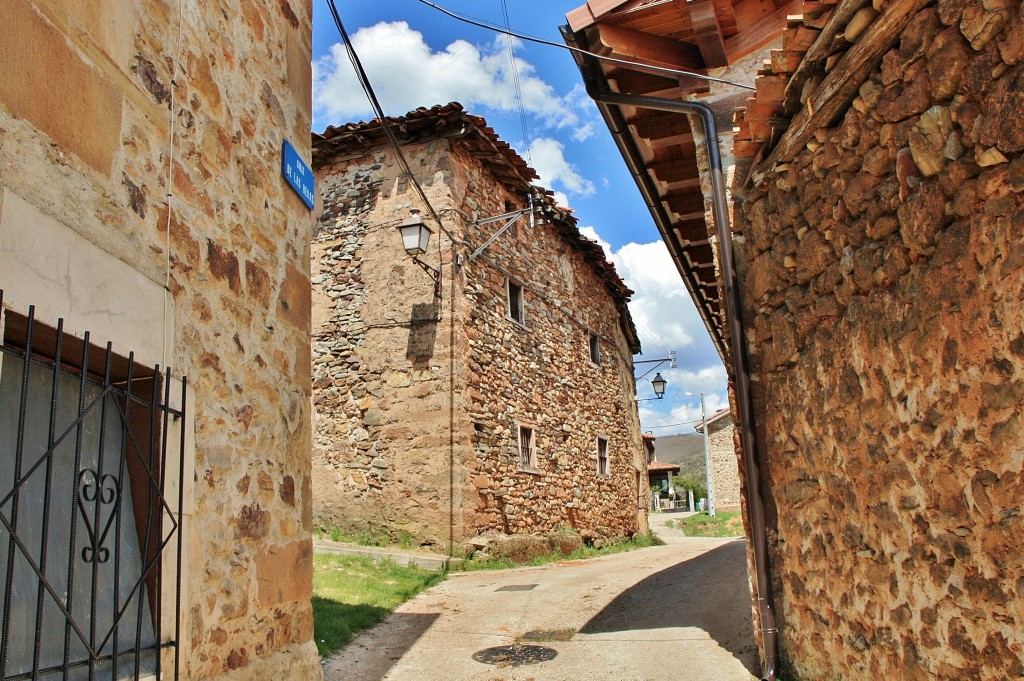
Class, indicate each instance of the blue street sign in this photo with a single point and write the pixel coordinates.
(297, 173)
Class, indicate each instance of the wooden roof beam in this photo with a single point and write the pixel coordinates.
(625, 43)
(708, 32)
(633, 82)
(687, 203)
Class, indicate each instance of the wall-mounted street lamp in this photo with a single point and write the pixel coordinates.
(658, 383)
(415, 238)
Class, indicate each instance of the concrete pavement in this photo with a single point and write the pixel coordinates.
(679, 610)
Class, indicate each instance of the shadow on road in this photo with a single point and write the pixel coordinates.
(708, 592)
(403, 630)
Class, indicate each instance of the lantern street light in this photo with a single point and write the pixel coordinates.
(659, 383)
(415, 237)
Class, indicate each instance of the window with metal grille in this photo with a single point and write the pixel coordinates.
(602, 456)
(515, 302)
(88, 512)
(595, 349)
(527, 452)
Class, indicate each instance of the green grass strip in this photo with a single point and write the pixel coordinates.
(724, 524)
(352, 593)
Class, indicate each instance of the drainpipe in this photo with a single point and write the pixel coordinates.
(759, 533)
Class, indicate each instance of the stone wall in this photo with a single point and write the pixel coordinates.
(383, 461)
(725, 467)
(882, 278)
(540, 374)
(85, 117)
(380, 357)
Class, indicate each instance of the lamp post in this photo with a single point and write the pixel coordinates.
(707, 455)
(415, 238)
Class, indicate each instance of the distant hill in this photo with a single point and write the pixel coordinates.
(685, 450)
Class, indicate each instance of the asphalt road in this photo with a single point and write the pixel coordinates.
(679, 611)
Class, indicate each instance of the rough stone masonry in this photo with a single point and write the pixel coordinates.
(883, 273)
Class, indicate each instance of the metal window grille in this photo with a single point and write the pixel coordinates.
(86, 528)
(525, 447)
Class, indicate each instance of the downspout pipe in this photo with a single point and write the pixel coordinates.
(759, 532)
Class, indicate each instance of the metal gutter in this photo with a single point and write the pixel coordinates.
(601, 93)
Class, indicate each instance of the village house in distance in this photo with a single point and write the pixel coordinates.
(725, 469)
(500, 402)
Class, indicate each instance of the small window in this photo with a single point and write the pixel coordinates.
(602, 456)
(595, 349)
(527, 451)
(515, 302)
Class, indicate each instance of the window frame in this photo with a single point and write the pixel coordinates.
(530, 465)
(594, 348)
(520, 317)
(603, 471)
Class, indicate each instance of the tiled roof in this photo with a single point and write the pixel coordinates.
(662, 466)
(717, 416)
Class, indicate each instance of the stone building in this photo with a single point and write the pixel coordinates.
(725, 470)
(877, 201)
(141, 201)
(502, 401)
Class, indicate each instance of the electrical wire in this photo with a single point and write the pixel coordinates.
(550, 43)
(515, 79)
(169, 186)
(364, 82)
(673, 425)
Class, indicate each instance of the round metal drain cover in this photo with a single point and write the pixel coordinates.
(515, 655)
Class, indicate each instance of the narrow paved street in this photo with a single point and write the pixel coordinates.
(676, 611)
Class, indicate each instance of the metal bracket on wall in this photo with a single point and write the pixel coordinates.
(512, 217)
(434, 272)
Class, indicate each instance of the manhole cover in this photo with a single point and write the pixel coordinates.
(518, 587)
(515, 655)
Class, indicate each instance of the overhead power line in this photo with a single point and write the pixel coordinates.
(364, 82)
(672, 425)
(515, 78)
(550, 43)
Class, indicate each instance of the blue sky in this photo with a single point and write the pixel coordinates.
(416, 56)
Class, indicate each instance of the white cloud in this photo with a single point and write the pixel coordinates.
(584, 132)
(667, 320)
(561, 199)
(548, 158)
(406, 73)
